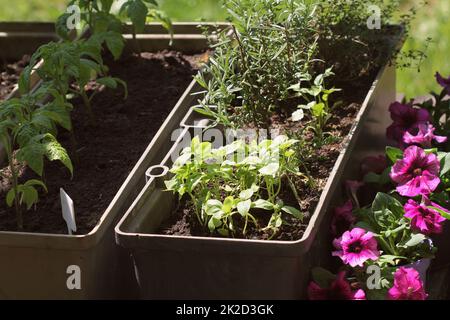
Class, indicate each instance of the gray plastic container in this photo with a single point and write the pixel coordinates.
(178, 267)
(34, 265)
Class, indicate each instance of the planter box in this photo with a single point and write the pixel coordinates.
(34, 266)
(179, 267)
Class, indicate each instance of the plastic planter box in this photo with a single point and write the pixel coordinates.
(34, 266)
(177, 267)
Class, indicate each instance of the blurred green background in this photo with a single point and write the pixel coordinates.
(431, 21)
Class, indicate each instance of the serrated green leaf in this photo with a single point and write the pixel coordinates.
(137, 12)
(54, 151)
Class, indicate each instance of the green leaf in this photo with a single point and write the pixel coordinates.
(445, 164)
(394, 154)
(108, 82)
(35, 182)
(443, 213)
(298, 115)
(270, 170)
(318, 110)
(10, 197)
(54, 151)
(115, 43)
(246, 194)
(137, 12)
(29, 196)
(106, 5)
(32, 153)
(24, 80)
(243, 207)
(263, 204)
(415, 240)
(322, 277)
(214, 223)
(293, 212)
(61, 26)
(228, 204)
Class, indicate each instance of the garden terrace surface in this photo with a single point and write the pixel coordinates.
(106, 152)
(9, 75)
(183, 221)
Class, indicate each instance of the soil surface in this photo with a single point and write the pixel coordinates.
(320, 163)
(107, 151)
(9, 75)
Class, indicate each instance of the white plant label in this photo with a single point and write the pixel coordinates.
(68, 211)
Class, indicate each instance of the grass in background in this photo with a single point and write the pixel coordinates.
(431, 21)
(31, 10)
(194, 10)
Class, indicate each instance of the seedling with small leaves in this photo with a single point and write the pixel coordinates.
(70, 66)
(25, 125)
(229, 184)
(317, 102)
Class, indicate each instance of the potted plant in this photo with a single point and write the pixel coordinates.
(76, 76)
(387, 246)
(255, 232)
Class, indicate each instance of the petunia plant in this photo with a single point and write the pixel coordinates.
(394, 233)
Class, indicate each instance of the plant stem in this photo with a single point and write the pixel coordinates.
(16, 191)
(87, 104)
(137, 46)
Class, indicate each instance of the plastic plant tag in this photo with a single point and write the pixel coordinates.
(68, 211)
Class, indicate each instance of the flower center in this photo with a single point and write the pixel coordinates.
(410, 291)
(417, 172)
(356, 247)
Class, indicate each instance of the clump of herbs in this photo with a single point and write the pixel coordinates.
(230, 186)
(357, 37)
(271, 47)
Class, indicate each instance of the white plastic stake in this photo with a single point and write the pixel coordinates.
(68, 211)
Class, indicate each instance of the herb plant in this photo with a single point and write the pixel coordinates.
(227, 186)
(271, 47)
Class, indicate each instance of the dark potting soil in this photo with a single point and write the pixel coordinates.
(108, 150)
(183, 221)
(9, 75)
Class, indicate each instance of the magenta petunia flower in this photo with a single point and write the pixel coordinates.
(356, 247)
(423, 219)
(407, 285)
(343, 218)
(405, 118)
(423, 136)
(443, 82)
(417, 173)
(375, 164)
(339, 289)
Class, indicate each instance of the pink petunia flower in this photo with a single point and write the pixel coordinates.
(405, 118)
(375, 164)
(417, 173)
(339, 289)
(443, 82)
(423, 219)
(343, 218)
(424, 136)
(407, 285)
(356, 247)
